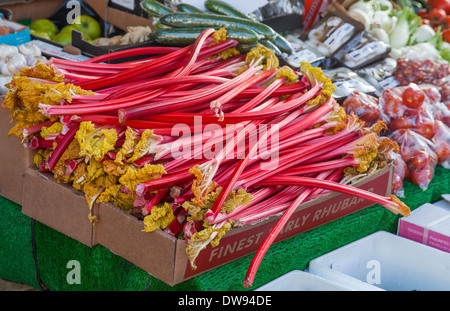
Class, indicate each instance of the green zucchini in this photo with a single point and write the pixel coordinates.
(220, 7)
(186, 36)
(184, 7)
(183, 19)
(269, 44)
(155, 8)
(283, 44)
(244, 48)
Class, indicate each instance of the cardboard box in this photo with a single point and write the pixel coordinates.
(429, 224)
(58, 206)
(164, 256)
(20, 35)
(14, 160)
(35, 9)
(116, 17)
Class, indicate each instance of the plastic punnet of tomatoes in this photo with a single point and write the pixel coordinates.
(419, 155)
(407, 107)
(415, 66)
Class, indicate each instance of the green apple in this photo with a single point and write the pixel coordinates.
(67, 28)
(40, 34)
(88, 25)
(44, 25)
(64, 38)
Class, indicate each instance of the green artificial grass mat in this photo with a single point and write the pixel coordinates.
(35, 254)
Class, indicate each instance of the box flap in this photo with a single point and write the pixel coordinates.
(58, 206)
(123, 234)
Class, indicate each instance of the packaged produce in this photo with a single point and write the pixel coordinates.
(419, 66)
(366, 52)
(441, 113)
(330, 34)
(364, 106)
(302, 53)
(441, 140)
(401, 172)
(407, 107)
(380, 75)
(419, 155)
(346, 81)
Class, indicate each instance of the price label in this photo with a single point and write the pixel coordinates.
(364, 51)
(304, 55)
(389, 83)
(339, 34)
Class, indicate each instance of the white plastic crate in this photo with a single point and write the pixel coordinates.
(386, 261)
(298, 280)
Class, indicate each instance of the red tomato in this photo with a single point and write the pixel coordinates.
(425, 128)
(423, 13)
(437, 16)
(422, 177)
(446, 35)
(397, 183)
(433, 94)
(419, 160)
(446, 22)
(393, 107)
(426, 22)
(413, 98)
(364, 106)
(401, 123)
(440, 4)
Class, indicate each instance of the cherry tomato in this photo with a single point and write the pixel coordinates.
(446, 22)
(426, 22)
(437, 16)
(413, 98)
(423, 13)
(440, 4)
(446, 35)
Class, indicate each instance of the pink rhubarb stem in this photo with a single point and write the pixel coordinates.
(59, 150)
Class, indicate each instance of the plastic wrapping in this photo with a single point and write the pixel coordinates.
(401, 172)
(380, 75)
(369, 50)
(364, 106)
(441, 140)
(279, 8)
(302, 53)
(419, 155)
(416, 66)
(346, 81)
(407, 107)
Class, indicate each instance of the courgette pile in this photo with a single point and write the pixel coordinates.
(180, 26)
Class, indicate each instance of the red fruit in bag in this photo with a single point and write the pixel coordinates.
(413, 98)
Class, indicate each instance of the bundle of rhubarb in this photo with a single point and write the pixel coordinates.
(196, 140)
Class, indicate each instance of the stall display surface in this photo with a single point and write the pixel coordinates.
(44, 255)
(29, 256)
